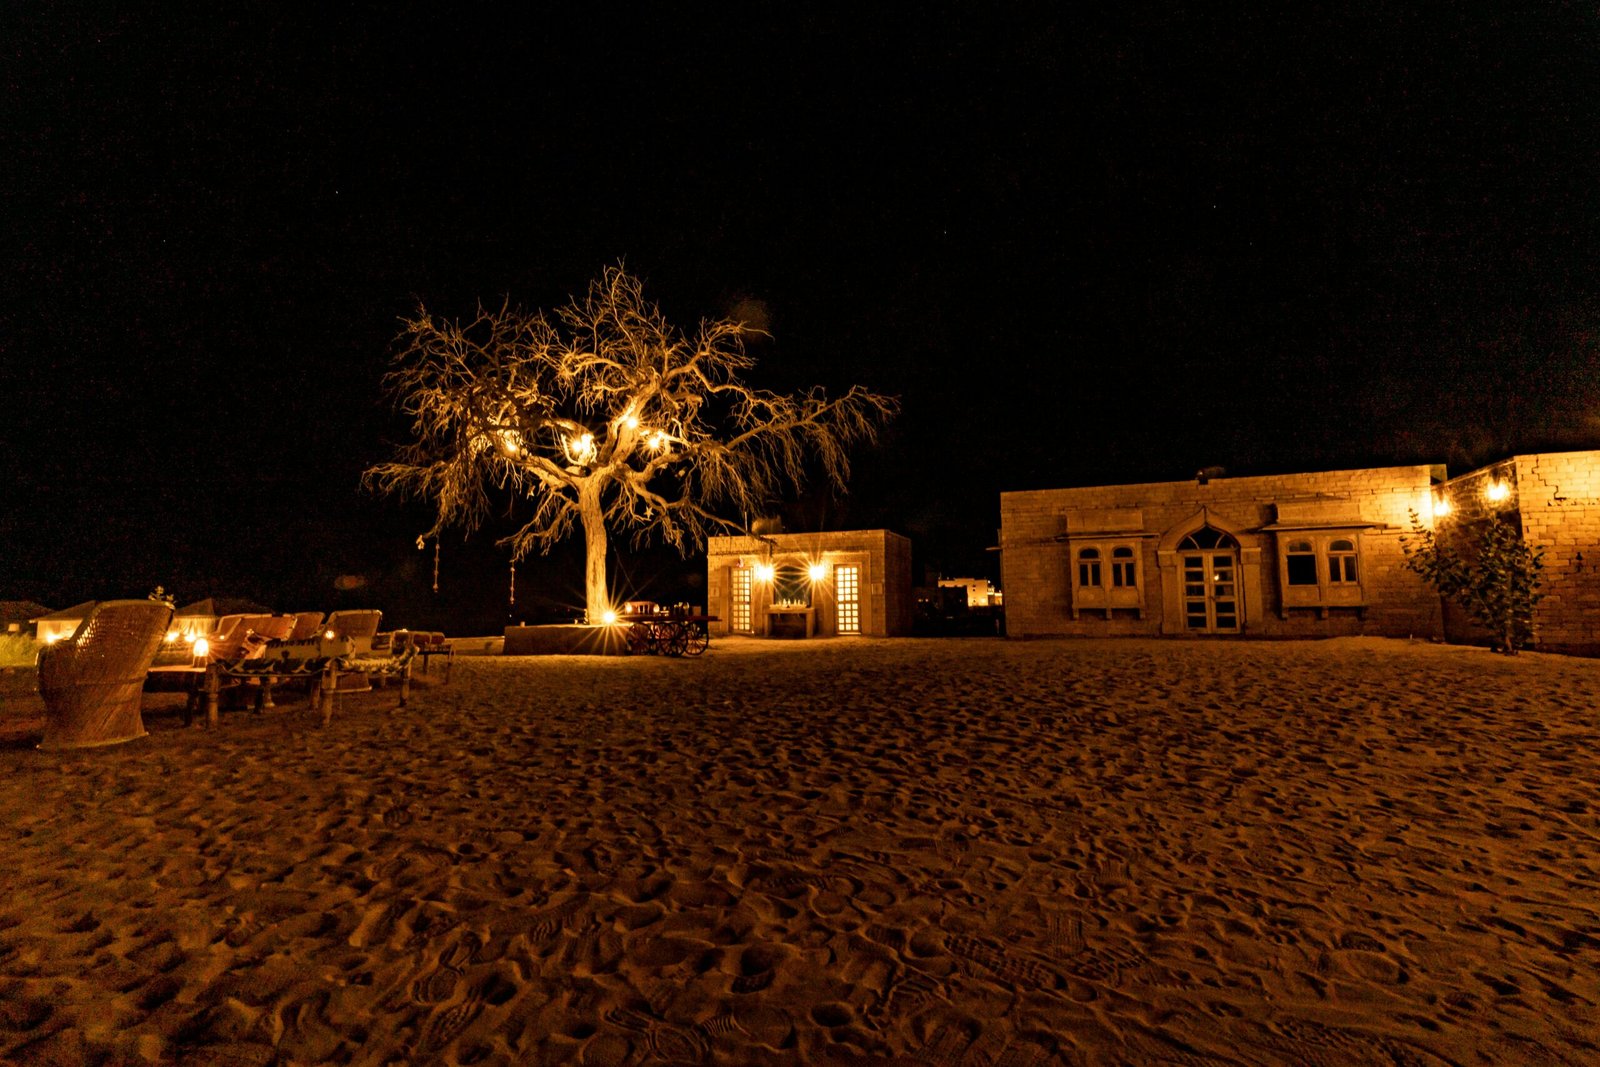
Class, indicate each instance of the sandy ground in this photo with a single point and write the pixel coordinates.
(916, 852)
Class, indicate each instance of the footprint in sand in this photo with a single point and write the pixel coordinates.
(412, 862)
(671, 1043)
(398, 816)
(1014, 968)
(890, 937)
(905, 996)
(437, 985)
(544, 925)
(1065, 933)
(606, 1050)
(758, 966)
(430, 927)
(724, 1027)
(947, 1046)
(1357, 940)
(1317, 1045)
(1375, 967)
(440, 982)
(447, 1025)
(21, 1015)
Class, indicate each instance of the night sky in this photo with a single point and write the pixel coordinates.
(1081, 248)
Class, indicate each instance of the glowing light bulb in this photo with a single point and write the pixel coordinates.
(764, 572)
(172, 635)
(817, 572)
(608, 617)
(1442, 507)
(202, 647)
(1498, 491)
(657, 440)
(582, 449)
(631, 422)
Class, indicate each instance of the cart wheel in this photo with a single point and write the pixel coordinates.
(675, 642)
(697, 641)
(638, 639)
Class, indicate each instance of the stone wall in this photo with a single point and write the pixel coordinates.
(1039, 529)
(1559, 501)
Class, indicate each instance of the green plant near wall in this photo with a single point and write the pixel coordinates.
(1491, 571)
(18, 650)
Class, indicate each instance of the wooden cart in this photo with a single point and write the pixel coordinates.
(668, 633)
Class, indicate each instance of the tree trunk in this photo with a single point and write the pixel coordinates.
(597, 600)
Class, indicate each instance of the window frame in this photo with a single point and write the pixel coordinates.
(1340, 573)
(741, 609)
(1293, 551)
(1124, 566)
(1102, 594)
(1089, 562)
(1344, 567)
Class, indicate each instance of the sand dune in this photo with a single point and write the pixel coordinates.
(855, 852)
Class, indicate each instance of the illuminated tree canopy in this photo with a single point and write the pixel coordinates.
(605, 417)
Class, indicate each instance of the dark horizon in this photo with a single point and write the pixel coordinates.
(1120, 248)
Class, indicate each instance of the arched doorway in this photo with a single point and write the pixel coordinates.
(1208, 560)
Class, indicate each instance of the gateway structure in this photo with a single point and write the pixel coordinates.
(1292, 555)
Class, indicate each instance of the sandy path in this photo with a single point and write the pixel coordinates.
(940, 853)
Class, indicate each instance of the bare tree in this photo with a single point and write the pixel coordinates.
(608, 417)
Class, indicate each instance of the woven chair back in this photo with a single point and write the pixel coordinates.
(93, 681)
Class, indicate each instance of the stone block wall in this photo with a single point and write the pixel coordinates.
(1374, 505)
(1558, 498)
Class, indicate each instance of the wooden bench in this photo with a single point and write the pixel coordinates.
(268, 672)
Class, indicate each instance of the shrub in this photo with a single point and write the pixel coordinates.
(18, 650)
(1493, 574)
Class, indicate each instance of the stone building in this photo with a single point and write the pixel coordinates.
(1293, 555)
(810, 585)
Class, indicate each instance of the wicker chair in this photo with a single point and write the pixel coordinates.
(92, 682)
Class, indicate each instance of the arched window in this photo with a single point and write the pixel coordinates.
(1124, 571)
(1088, 566)
(1302, 563)
(1341, 561)
(1207, 537)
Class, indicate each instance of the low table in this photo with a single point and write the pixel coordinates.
(809, 615)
